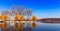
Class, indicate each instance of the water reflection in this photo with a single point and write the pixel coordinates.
(39, 27)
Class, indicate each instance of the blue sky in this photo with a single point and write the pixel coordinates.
(41, 8)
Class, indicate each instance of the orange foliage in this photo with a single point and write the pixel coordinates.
(4, 17)
(16, 17)
(34, 18)
(21, 17)
(33, 25)
(0, 17)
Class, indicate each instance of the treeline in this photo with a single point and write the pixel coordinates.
(18, 13)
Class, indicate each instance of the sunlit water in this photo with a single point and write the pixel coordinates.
(44, 27)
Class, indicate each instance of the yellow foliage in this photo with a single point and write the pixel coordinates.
(34, 18)
(21, 26)
(0, 17)
(33, 25)
(22, 17)
(4, 17)
(16, 17)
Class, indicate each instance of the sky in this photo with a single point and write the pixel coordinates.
(40, 8)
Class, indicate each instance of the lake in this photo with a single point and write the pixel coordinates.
(43, 27)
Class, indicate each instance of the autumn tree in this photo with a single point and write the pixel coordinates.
(5, 17)
(16, 17)
(34, 18)
(22, 17)
(0, 17)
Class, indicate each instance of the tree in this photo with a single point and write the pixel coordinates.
(21, 11)
(22, 17)
(34, 18)
(4, 17)
(6, 14)
(13, 10)
(16, 17)
(0, 17)
(29, 13)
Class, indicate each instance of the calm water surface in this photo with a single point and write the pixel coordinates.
(44, 27)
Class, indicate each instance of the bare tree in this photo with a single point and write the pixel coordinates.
(13, 10)
(21, 10)
(6, 12)
(29, 13)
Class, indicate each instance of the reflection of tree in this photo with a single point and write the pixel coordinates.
(21, 26)
(4, 26)
(16, 26)
(33, 25)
